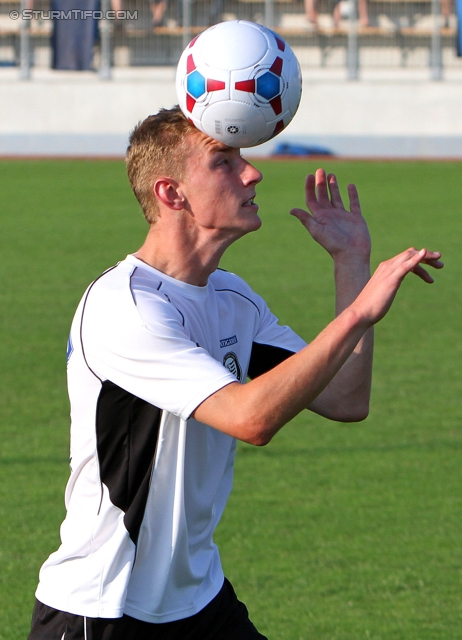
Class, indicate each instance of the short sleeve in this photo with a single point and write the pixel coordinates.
(273, 343)
(157, 363)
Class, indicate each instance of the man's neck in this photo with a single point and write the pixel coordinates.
(180, 257)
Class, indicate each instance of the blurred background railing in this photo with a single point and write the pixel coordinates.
(349, 34)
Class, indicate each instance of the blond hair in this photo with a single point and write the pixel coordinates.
(157, 147)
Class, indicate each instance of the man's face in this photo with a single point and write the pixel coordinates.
(219, 188)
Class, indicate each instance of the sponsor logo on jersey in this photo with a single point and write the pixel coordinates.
(228, 342)
(231, 362)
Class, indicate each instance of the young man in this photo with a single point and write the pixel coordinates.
(159, 353)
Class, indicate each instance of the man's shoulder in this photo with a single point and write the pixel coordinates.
(222, 279)
(225, 282)
(127, 275)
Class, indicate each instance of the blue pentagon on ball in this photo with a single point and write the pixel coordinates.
(195, 84)
(268, 85)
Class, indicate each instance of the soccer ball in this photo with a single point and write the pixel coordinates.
(239, 83)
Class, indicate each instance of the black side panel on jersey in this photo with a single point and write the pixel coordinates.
(127, 430)
(264, 357)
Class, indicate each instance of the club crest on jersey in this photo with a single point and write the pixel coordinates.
(231, 362)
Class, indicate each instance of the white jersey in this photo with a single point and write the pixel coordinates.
(148, 483)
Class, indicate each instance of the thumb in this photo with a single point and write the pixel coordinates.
(305, 218)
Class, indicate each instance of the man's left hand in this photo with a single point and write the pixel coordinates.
(335, 228)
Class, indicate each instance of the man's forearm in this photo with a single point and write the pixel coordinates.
(255, 411)
(346, 398)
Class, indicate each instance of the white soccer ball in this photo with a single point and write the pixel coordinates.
(239, 83)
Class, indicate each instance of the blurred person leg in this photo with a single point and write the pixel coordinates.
(363, 13)
(311, 11)
(73, 39)
(158, 10)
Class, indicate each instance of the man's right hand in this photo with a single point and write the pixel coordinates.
(376, 298)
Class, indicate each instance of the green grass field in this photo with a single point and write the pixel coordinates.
(333, 531)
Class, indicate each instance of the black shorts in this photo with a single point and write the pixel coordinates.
(224, 618)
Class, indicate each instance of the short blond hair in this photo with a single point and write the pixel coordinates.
(157, 147)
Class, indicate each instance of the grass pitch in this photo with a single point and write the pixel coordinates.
(332, 531)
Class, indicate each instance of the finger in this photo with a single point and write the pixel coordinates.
(404, 262)
(310, 192)
(423, 256)
(432, 259)
(334, 191)
(322, 188)
(436, 264)
(413, 256)
(305, 218)
(433, 255)
(423, 274)
(355, 206)
(413, 263)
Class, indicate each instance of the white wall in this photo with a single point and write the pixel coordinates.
(61, 113)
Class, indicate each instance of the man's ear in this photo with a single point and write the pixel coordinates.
(167, 191)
